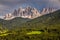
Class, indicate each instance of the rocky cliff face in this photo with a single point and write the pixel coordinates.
(47, 10)
(29, 12)
(8, 16)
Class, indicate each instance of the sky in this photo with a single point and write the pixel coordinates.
(8, 6)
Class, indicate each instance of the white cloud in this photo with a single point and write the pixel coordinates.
(3, 9)
(11, 0)
(2, 6)
(54, 3)
(5, 5)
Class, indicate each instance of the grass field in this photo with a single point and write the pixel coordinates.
(33, 32)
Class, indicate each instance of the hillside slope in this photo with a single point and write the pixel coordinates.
(14, 22)
(49, 19)
(48, 24)
(46, 27)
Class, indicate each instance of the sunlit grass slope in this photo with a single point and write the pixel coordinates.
(33, 32)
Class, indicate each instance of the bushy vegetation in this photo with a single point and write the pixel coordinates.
(46, 27)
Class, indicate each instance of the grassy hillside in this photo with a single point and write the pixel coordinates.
(46, 20)
(46, 27)
(14, 22)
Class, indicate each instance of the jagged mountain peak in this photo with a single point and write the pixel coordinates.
(29, 12)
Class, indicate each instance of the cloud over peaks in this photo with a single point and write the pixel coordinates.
(9, 5)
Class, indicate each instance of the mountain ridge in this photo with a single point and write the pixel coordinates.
(28, 12)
